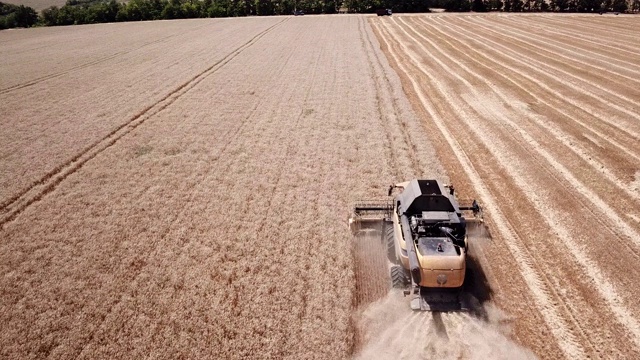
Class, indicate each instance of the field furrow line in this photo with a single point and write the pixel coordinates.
(622, 23)
(552, 102)
(61, 73)
(567, 140)
(571, 47)
(516, 58)
(572, 143)
(564, 336)
(230, 137)
(598, 49)
(588, 29)
(617, 22)
(594, 26)
(629, 232)
(289, 148)
(605, 288)
(524, 38)
(88, 64)
(576, 32)
(50, 181)
(490, 145)
(392, 153)
(603, 208)
(383, 92)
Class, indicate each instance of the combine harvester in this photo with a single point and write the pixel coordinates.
(425, 234)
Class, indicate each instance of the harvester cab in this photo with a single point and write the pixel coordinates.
(424, 228)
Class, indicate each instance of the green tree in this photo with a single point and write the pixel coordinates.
(495, 5)
(588, 5)
(457, 5)
(107, 12)
(191, 9)
(236, 8)
(66, 16)
(17, 16)
(50, 16)
(513, 5)
(478, 6)
(172, 10)
(218, 8)
(329, 7)
(619, 5)
(263, 7)
(25, 16)
(559, 5)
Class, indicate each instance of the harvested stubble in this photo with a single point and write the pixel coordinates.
(539, 115)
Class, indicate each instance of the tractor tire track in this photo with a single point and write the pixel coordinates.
(41, 79)
(72, 69)
(230, 137)
(17, 204)
(392, 153)
(289, 148)
(390, 121)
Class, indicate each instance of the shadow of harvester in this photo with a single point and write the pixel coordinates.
(476, 284)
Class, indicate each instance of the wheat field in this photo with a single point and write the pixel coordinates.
(185, 193)
(180, 189)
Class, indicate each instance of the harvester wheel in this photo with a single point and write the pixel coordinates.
(399, 278)
(390, 242)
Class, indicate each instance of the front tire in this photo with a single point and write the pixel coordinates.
(390, 242)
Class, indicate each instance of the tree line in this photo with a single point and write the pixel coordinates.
(539, 5)
(101, 11)
(12, 16)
